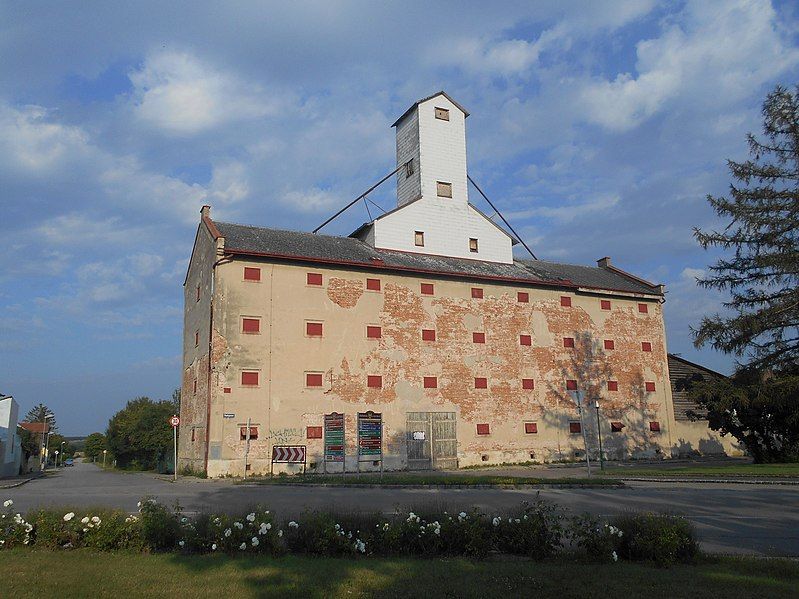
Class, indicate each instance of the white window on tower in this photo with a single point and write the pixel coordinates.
(473, 245)
(442, 114)
(408, 168)
(443, 189)
(418, 238)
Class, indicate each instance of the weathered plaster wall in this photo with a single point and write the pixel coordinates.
(281, 406)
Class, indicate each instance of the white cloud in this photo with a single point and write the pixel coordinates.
(310, 200)
(180, 95)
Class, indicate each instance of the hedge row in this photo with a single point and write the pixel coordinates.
(540, 530)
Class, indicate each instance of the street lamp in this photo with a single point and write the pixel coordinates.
(105, 451)
(56, 459)
(599, 432)
(62, 453)
(42, 448)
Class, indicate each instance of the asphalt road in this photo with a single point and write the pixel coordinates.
(734, 518)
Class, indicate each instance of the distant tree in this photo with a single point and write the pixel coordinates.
(39, 413)
(54, 445)
(139, 434)
(29, 442)
(176, 400)
(94, 445)
(762, 274)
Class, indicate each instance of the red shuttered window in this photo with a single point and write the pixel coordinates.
(525, 340)
(646, 346)
(610, 344)
(374, 381)
(604, 304)
(565, 301)
(571, 385)
(428, 335)
(251, 326)
(654, 426)
(427, 289)
(613, 385)
(643, 308)
(313, 379)
(575, 428)
(430, 382)
(483, 429)
(373, 284)
(374, 332)
(481, 383)
(523, 297)
(313, 278)
(615, 427)
(313, 432)
(477, 293)
(313, 329)
(649, 386)
(528, 384)
(568, 342)
(478, 337)
(530, 428)
(249, 379)
(252, 274)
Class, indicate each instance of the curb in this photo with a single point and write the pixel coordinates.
(720, 481)
(22, 482)
(620, 485)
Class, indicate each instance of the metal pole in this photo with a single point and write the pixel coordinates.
(105, 451)
(175, 451)
(599, 432)
(247, 448)
(582, 429)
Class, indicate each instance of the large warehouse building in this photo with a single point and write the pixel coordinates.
(419, 341)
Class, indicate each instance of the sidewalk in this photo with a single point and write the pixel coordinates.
(17, 481)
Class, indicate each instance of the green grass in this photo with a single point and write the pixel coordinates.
(432, 479)
(715, 471)
(87, 574)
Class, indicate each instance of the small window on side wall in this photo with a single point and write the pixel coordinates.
(523, 297)
(373, 284)
(418, 238)
(443, 189)
(313, 432)
(575, 428)
(477, 293)
(408, 168)
(427, 289)
(483, 429)
(442, 114)
(654, 426)
(649, 386)
(314, 278)
(646, 346)
(615, 427)
(374, 332)
(253, 433)
(565, 301)
(251, 326)
(473, 245)
(530, 428)
(604, 304)
(252, 274)
(249, 379)
(643, 308)
(313, 379)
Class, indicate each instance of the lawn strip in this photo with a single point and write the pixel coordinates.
(442, 480)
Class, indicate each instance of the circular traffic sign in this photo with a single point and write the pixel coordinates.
(174, 421)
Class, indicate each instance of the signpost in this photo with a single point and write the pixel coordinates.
(334, 440)
(370, 437)
(579, 396)
(175, 422)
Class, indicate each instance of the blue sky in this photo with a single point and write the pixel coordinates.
(596, 127)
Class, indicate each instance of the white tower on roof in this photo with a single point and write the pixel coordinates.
(433, 214)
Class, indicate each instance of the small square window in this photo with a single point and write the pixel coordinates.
(613, 385)
(477, 292)
(478, 337)
(609, 344)
(643, 308)
(481, 383)
(374, 332)
(374, 381)
(253, 433)
(575, 428)
(313, 432)
(571, 385)
(196, 338)
(483, 429)
(442, 114)
(251, 326)
(604, 304)
(314, 278)
(252, 274)
(525, 339)
(568, 342)
(530, 428)
(654, 426)
(615, 427)
(427, 289)
(528, 384)
(565, 301)
(428, 335)
(313, 329)
(649, 386)
(418, 238)
(409, 168)
(646, 346)
(373, 284)
(443, 189)
(430, 382)
(473, 245)
(523, 297)
(249, 379)
(313, 379)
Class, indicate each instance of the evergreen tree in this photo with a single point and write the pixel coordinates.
(762, 274)
(39, 413)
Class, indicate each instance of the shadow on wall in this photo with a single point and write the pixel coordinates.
(587, 364)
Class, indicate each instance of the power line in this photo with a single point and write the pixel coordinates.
(504, 220)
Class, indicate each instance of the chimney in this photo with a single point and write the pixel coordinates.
(603, 262)
(205, 211)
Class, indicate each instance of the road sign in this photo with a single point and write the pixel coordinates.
(174, 421)
(288, 454)
(334, 437)
(370, 437)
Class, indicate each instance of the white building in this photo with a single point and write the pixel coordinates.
(10, 443)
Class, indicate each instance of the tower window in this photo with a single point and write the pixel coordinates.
(418, 238)
(443, 190)
(442, 114)
(408, 168)
(473, 245)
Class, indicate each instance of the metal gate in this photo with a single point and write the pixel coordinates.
(432, 440)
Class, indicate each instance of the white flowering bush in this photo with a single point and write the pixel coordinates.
(659, 538)
(253, 532)
(14, 529)
(599, 540)
(536, 530)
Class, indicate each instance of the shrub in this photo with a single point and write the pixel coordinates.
(320, 534)
(160, 528)
(535, 531)
(659, 538)
(599, 540)
(14, 529)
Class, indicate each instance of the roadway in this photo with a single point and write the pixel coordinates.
(730, 518)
